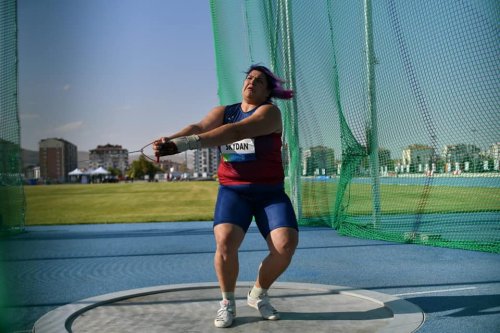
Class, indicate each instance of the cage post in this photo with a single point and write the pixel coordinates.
(293, 144)
(372, 105)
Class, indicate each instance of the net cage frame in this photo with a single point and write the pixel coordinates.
(352, 65)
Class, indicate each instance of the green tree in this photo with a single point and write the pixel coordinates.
(440, 164)
(115, 171)
(321, 158)
(142, 167)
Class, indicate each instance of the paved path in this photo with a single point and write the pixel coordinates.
(50, 267)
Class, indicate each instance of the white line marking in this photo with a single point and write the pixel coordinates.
(435, 291)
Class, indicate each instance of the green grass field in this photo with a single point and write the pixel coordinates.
(194, 201)
(122, 202)
(400, 199)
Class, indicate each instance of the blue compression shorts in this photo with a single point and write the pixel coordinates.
(269, 204)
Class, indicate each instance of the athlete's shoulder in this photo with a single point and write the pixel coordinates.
(268, 108)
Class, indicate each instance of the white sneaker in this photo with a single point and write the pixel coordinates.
(265, 308)
(226, 314)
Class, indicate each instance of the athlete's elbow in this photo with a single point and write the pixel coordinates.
(195, 129)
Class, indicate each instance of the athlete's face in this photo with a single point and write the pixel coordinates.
(255, 87)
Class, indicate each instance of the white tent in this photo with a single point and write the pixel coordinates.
(76, 172)
(100, 171)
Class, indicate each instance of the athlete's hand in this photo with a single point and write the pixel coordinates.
(163, 146)
(168, 148)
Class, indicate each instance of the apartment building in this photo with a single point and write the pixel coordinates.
(109, 156)
(416, 157)
(57, 158)
(206, 162)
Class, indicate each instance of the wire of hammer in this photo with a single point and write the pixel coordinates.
(146, 156)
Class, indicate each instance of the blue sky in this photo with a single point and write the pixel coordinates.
(129, 71)
(117, 71)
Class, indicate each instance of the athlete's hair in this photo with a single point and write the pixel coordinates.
(273, 82)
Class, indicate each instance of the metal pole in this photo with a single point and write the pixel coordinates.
(474, 151)
(293, 151)
(373, 136)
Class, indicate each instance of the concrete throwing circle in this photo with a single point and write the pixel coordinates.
(192, 307)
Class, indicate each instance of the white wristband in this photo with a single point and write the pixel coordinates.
(184, 143)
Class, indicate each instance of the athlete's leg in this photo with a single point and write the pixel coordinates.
(228, 238)
(232, 217)
(278, 224)
(282, 243)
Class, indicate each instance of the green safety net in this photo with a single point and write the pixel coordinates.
(393, 133)
(11, 180)
(12, 202)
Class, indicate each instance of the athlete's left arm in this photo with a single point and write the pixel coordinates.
(265, 120)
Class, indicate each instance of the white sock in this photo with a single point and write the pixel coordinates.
(257, 292)
(228, 295)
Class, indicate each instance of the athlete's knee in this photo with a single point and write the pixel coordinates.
(226, 249)
(286, 249)
(227, 240)
(284, 243)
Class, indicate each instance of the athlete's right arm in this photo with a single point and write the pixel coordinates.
(212, 120)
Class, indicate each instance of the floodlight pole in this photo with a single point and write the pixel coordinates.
(372, 105)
